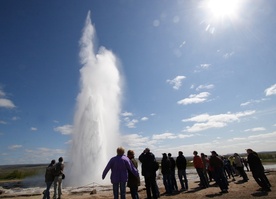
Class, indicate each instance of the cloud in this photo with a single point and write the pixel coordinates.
(16, 146)
(176, 82)
(135, 140)
(253, 102)
(205, 66)
(130, 123)
(126, 114)
(209, 86)
(195, 98)
(64, 130)
(164, 136)
(271, 90)
(144, 118)
(206, 121)
(255, 129)
(4, 102)
(181, 45)
(2, 122)
(33, 129)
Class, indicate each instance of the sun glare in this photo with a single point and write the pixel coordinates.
(223, 8)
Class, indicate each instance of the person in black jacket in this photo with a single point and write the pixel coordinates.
(257, 169)
(49, 179)
(174, 183)
(166, 172)
(149, 168)
(217, 164)
(181, 164)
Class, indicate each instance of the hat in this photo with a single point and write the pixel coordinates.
(214, 152)
(180, 152)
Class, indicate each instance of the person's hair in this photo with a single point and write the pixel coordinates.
(130, 153)
(195, 153)
(60, 159)
(120, 150)
(53, 161)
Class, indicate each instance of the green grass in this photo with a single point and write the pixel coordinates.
(18, 172)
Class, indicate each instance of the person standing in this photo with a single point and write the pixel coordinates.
(198, 164)
(49, 178)
(257, 169)
(119, 165)
(173, 180)
(181, 164)
(149, 168)
(133, 181)
(218, 172)
(59, 167)
(239, 166)
(166, 172)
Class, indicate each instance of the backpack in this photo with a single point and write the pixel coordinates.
(57, 170)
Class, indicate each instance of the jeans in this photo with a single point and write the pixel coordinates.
(151, 187)
(182, 174)
(57, 186)
(47, 191)
(220, 178)
(167, 183)
(203, 181)
(134, 192)
(122, 186)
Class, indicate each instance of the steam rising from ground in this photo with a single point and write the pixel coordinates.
(96, 120)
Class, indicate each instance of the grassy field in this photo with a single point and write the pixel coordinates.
(18, 172)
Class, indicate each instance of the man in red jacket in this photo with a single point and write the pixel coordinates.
(198, 164)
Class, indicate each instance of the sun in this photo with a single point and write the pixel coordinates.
(223, 8)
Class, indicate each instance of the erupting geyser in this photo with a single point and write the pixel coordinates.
(96, 120)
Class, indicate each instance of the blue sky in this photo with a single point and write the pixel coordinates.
(198, 76)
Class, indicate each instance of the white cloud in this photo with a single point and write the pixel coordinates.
(2, 122)
(181, 45)
(33, 129)
(195, 98)
(209, 86)
(130, 123)
(64, 130)
(6, 103)
(15, 118)
(16, 146)
(271, 90)
(206, 121)
(164, 136)
(205, 65)
(252, 102)
(126, 114)
(176, 82)
(255, 129)
(135, 140)
(144, 118)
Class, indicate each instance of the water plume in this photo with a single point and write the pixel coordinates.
(96, 120)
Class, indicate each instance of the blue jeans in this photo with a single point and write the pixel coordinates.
(134, 192)
(47, 191)
(182, 174)
(122, 186)
(167, 181)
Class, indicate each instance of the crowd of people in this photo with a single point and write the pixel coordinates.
(124, 172)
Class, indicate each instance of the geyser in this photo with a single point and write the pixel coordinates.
(96, 120)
